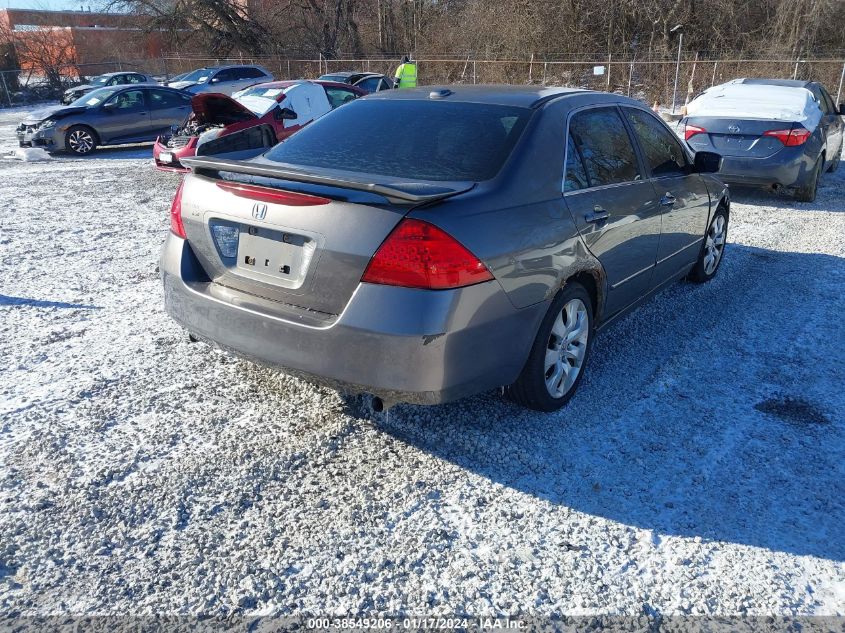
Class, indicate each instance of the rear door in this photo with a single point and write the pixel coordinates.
(612, 203)
(831, 122)
(167, 108)
(681, 194)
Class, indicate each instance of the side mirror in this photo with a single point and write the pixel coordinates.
(842, 109)
(707, 162)
(111, 105)
(214, 80)
(285, 114)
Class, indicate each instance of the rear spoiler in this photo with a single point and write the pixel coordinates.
(204, 164)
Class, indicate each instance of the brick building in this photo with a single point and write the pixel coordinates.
(80, 37)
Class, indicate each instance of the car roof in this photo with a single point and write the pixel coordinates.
(786, 83)
(494, 94)
(123, 72)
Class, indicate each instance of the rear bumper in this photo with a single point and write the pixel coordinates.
(791, 167)
(402, 344)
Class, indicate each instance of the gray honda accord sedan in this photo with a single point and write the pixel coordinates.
(423, 245)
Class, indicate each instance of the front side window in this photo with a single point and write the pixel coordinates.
(662, 150)
(576, 175)
(600, 136)
(370, 84)
(426, 140)
(228, 74)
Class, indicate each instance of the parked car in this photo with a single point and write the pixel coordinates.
(369, 82)
(102, 81)
(484, 250)
(773, 133)
(222, 79)
(106, 116)
(282, 106)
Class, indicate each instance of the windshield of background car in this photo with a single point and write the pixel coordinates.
(427, 140)
(200, 76)
(260, 100)
(340, 78)
(100, 81)
(94, 98)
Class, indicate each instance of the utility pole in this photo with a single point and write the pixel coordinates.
(679, 28)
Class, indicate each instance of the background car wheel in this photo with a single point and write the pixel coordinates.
(713, 249)
(559, 354)
(807, 193)
(81, 140)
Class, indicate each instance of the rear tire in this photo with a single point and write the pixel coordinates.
(81, 140)
(713, 249)
(807, 193)
(560, 352)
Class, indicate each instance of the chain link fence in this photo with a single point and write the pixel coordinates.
(650, 80)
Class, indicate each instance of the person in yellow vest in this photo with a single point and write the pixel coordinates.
(406, 74)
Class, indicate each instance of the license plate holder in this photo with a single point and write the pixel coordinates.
(271, 253)
(166, 157)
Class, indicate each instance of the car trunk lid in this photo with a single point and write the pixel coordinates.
(299, 238)
(735, 137)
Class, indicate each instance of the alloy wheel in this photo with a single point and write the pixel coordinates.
(567, 347)
(714, 244)
(80, 141)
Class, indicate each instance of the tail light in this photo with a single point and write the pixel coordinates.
(790, 138)
(176, 213)
(692, 130)
(420, 255)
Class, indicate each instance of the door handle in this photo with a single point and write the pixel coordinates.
(597, 215)
(668, 200)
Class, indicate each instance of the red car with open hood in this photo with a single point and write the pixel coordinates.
(283, 107)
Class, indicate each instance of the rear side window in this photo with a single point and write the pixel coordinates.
(251, 73)
(428, 140)
(370, 84)
(604, 144)
(161, 99)
(661, 148)
(576, 175)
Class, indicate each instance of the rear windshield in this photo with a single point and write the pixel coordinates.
(427, 140)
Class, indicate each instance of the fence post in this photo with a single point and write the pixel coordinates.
(839, 92)
(630, 77)
(530, 68)
(607, 83)
(795, 72)
(713, 80)
(9, 96)
(545, 64)
(474, 75)
(288, 70)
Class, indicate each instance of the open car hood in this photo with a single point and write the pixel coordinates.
(212, 107)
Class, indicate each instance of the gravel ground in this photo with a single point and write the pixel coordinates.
(699, 470)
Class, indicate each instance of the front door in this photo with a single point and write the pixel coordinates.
(612, 205)
(126, 117)
(681, 194)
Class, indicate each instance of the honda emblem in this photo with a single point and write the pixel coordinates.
(259, 210)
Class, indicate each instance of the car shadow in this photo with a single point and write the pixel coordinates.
(711, 412)
(6, 300)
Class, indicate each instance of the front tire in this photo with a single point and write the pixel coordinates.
(559, 355)
(80, 140)
(713, 249)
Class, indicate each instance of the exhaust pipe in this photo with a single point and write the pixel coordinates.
(377, 404)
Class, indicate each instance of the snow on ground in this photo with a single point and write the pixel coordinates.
(698, 470)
